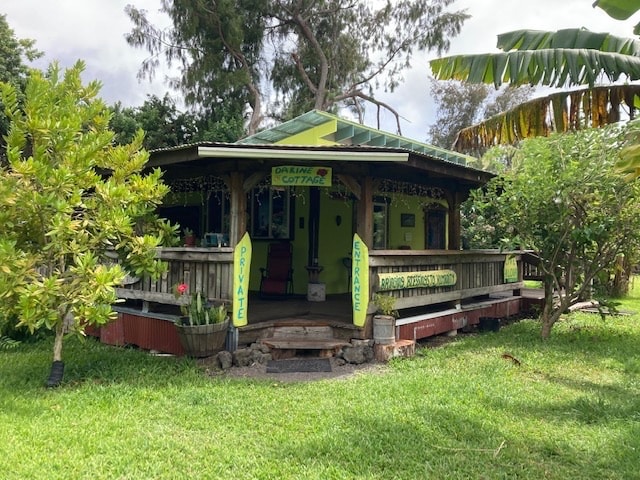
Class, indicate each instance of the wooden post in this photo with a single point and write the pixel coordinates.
(455, 231)
(364, 222)
(238, 208)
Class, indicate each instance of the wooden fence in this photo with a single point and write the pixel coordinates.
(478, 273)
(206, 270)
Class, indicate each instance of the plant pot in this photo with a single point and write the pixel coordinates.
(384, 329)
(190, 241)
(202, 340)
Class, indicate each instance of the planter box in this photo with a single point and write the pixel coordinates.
(202, 340)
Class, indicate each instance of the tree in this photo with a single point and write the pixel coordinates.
(68, 198)
(328, 53)
(564, 200)
(166, 126)
(13, 53)
(461, 104)
(565, 58)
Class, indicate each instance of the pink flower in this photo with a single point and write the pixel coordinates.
(182, 288)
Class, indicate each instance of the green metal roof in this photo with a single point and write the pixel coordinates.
(351, 133)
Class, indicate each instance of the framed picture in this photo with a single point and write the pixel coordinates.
(407, 220)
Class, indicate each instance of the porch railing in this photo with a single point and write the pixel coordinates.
(206, 270)
(478, 272)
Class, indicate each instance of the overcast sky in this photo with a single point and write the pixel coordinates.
(93, 30)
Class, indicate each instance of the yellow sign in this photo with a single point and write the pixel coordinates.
(425, 279)
(359, 281)
(241, 268)
(288, 175)
(510, 269)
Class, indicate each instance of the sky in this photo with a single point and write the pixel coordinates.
(94, 31)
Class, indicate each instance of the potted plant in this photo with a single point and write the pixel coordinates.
(189, 238)
(384, 321)
(202, 328)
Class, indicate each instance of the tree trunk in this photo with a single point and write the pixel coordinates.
(57, 344)
(547, 311)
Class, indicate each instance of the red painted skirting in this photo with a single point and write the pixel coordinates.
(459, 319)
(144, 332)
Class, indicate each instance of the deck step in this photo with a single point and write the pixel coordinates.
(294, 343)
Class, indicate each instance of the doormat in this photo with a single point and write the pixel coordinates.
(292, 365)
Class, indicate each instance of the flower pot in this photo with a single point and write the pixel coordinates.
(189, 241)
(202, 340)
(384, 329)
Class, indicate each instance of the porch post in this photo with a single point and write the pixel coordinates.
(455, 231)
(364, 222)
(238, 208)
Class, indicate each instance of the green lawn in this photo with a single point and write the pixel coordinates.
(571, 410)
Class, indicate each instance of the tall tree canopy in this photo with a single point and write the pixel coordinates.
(321, 54)
(461, 104)
(14, 52)
(166, 126)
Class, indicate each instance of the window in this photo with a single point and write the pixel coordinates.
(270, 213)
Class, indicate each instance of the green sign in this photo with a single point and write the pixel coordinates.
(288, 175)
(510, 269)
(425, 279)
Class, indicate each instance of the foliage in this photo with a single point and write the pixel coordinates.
(165, 126)
(7, 343)
(197, 310)
(559, 59)
(68, 199)
(564, 200)
(385, 304)
(13, 54)
(620, 9)
(461, 104)
(569, 410)
(326, 54)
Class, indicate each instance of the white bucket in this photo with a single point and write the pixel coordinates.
(316, 292)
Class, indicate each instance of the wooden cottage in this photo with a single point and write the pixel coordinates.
(348, 210)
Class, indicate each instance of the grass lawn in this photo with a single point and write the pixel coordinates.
(570, 410)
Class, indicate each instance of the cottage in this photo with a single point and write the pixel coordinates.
(355, 210)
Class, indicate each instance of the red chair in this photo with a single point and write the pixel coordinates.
(277, 277)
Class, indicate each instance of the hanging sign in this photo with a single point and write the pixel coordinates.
(425, 279)
(289, 175)
(241, 268)
(359, 281)
(510, 269)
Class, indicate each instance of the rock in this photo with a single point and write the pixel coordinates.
(354, 355)
(225, 360)
(242, 357)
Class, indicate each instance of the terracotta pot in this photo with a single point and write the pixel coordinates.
(202, 340)
(190, 241)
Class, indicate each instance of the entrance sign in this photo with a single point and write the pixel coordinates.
(241, 268)
(510, 269)
(425, 279)
(359, 281)
(289, 175)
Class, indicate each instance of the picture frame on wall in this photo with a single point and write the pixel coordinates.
(407, 220)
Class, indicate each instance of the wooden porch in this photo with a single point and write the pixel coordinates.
(480, 291)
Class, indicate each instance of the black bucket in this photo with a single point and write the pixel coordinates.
(489, 324)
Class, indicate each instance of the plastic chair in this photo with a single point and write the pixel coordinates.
(277, 277)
